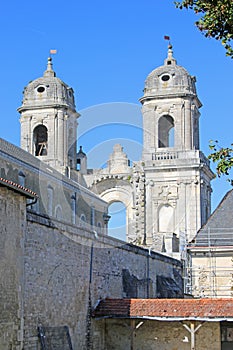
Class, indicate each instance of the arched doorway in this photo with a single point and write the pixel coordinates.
(117, 223)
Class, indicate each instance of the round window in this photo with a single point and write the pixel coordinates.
(165, 77)
(41, 89)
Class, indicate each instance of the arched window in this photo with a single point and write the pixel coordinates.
(83, 220)
(73, 208)
(166, 131)
(92, 216)
(40, 137)
(58, 212)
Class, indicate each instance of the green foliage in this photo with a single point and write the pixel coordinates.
(216, 19)
(223, 157)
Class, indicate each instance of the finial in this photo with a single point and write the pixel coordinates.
(170, 51)
(49, 71)
(80, 152)
(170, 60)
(49, 64)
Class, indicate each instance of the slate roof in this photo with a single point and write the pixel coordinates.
(18, 188)
(166, 309)
(218, 230)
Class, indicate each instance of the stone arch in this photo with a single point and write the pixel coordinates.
(83, 220)
(40, 139)
(166, 131)
(124, 195)
(58, 212)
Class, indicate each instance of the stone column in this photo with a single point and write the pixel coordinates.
(187, 121)
(60, 138)
(149, 213)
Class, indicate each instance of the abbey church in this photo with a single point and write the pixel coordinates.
(167, 194)
(65, 283)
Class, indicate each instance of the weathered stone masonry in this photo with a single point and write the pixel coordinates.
(12, 232)
(65, 266)
(53, 273)
(153, 335)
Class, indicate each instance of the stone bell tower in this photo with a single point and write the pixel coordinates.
(49, 121)
(177, 174)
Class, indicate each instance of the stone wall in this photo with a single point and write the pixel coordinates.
(68, 269)
(155, 335)
(12, 230)
(52, 274)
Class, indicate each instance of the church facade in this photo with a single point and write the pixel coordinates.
(57, 261)
(168, 193)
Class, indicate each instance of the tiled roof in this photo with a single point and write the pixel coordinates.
(204, 309)
(16, 187)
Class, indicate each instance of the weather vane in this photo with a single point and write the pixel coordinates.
(52, 52)
(167, 37)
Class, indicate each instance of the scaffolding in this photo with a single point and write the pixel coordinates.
(208, 264)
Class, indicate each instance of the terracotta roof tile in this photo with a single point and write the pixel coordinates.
(10, 184)
(165, 308)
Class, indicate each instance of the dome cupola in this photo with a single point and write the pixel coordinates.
(170, 108)
(169, 80)
(47, 91)
(49, 121)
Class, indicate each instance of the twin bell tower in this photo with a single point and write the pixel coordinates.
(167, 194)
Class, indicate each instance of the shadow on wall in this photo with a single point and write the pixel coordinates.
(167, 287)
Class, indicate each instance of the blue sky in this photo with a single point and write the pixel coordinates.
(105, 50)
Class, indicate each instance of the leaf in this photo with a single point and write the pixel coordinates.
(216, 19)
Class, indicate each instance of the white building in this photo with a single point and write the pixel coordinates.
(167, 194)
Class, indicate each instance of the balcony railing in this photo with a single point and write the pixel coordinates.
(171, 155)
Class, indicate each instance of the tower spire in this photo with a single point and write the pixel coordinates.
(170, 60)
(49, 71)
(170, 51)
